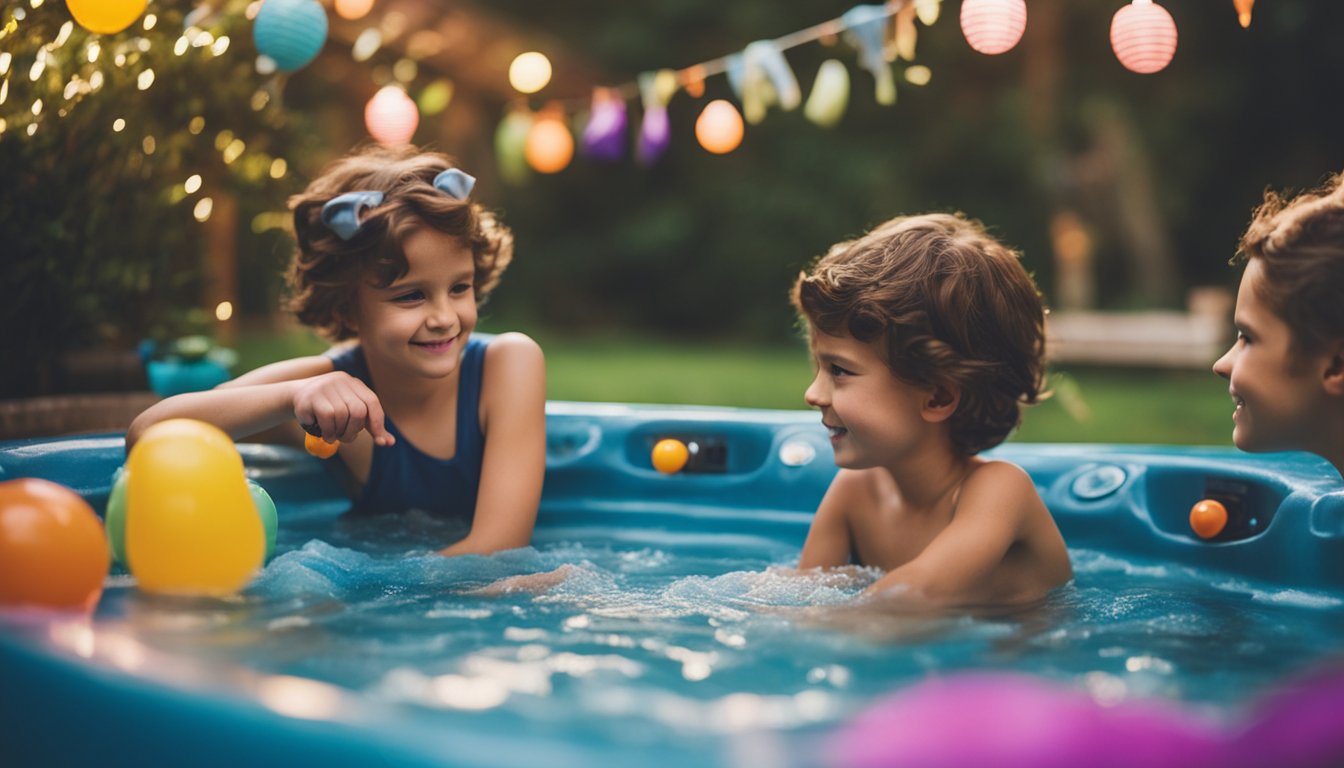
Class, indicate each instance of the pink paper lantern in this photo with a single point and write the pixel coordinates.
(1143, 36)
(391, 116)
(993, 26)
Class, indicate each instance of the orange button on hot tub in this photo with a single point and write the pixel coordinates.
(1208, 518)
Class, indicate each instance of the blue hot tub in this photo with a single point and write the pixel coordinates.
(678, 636)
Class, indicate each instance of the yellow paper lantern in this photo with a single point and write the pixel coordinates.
(993, 26)
(719, 128)
(1143, 36)
(550, 146)
(106, 17)
(530, 72)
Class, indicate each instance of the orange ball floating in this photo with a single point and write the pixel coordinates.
(319, 447)
(53, 552)
(670, 456)
(1208, 518)
(719, 128)
(192, 527)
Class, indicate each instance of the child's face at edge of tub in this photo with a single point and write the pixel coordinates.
(419, 324)
(1278, 395)
(874, 418)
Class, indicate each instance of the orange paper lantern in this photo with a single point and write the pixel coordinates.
(1143, 36)
(391, 116)
(1243, 12)
(549, 146)
(719, 128)
(993, 26)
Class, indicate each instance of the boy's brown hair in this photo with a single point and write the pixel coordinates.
(1300, 243)
(947, 304)
(326, 271)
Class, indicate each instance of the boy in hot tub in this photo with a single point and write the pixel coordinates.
(928, 338)
(1285, 371)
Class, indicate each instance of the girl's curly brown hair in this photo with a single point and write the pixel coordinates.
(1300, 242)
(948, 305)
(326, 271)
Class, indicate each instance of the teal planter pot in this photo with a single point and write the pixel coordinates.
(173, 377)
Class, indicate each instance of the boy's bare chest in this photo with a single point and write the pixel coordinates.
(889, 537)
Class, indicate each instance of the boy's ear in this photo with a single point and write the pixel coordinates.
(1333, 380)
(942, 402)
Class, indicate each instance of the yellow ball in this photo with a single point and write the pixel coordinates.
(1208, 518)
(670, 456)
(191, 525)
(106, 17)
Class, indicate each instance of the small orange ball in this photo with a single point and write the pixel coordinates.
(319, 447)
(1208, 518)
(53, 552)
(669, 456)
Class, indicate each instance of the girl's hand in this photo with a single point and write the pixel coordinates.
(337, 406)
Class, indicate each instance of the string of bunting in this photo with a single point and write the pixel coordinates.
(760, 78)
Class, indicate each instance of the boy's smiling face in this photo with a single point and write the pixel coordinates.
(874, 418)
(1278, 389)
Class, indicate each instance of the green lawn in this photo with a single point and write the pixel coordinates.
(1089, 405)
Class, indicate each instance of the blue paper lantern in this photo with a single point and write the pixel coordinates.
(290, 31)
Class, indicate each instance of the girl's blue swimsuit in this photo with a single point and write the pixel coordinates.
(403, 477)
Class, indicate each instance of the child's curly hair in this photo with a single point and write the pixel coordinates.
(327, 270)
(1300, 242)
(948, 304)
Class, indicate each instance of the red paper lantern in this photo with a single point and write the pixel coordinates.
(1143, 36)
(993, 26)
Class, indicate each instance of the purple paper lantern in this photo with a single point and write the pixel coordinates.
(604, 136)
(655, 133)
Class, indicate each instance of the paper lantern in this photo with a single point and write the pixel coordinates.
(353, 9)
(550, 147)
(290, 32)
(719, 128)
(391, 116)
(1244, 12)
(1143, 36)
(530, 72)
(604, 136)
(511, 146)
(106, 17)
(655, 133)
(993, 26)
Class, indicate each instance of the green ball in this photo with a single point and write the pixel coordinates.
(266, 509)
(114, 519)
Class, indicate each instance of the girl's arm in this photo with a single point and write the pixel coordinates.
(993, 506)
(513, 418)
(828, 540)
(306, 389)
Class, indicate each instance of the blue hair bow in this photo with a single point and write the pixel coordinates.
(342, 213)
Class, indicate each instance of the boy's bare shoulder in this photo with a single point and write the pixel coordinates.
(861, 486)
(1002, 485)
